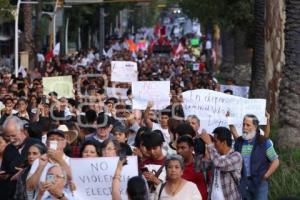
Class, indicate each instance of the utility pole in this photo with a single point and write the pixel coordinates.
(101, 30)
(16, 16)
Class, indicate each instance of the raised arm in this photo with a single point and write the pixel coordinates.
(36, 172)
(147, 119)
(116, 183)
(232, 128)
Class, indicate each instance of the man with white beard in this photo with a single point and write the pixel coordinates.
(260, 160)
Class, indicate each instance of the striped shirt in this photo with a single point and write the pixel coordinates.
(247, 150)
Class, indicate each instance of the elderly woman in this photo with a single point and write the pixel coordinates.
(175, 187)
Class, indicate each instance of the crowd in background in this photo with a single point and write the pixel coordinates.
(41, 132)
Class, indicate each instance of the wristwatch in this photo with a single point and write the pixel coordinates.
(61, 196)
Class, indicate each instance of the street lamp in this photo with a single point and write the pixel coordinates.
(16, 15)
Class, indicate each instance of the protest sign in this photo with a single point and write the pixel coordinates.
(241, 91)
(211, 108)
(62, 85)
(117, 92)
(124, 71)
(93, 176)
(156, 91)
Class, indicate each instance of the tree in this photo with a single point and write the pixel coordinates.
(274, 52)
(28, 34)
(289, 97)
(258, 82)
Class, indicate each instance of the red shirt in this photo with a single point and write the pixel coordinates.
(197, 178)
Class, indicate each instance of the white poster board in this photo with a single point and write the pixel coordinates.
(211, 108)
(156, 91)
(241, 91)
(117, 92)
(93, 176)
(124, 71)
(62, 85)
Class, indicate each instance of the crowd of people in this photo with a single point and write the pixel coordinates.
(41, 132)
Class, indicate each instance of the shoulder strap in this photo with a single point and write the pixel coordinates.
(161, 189)
(159, 171)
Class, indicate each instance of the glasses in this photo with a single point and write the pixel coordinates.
(53, 176)
(109, 149)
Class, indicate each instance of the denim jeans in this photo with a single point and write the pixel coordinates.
(262, 191)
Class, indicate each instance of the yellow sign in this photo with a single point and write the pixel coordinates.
(62, 85)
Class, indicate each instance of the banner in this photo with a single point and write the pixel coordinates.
(93, 176)
(156, 91)
(62, 85)
(124, 71)
(241, 91)
(211, 108)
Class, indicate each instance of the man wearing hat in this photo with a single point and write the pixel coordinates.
(104, 127)
(56, 143)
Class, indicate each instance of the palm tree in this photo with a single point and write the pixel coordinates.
(289, 97)
(28, 35)
(258, 86)
(274, 52)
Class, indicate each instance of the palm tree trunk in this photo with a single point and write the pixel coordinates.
(28, 36)
(289, 97)
(258, 83)
(274, 52)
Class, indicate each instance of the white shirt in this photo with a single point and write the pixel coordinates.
(188, 192)
(34, 168)
(217, 192)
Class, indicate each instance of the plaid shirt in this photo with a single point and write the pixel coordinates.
(230, 166)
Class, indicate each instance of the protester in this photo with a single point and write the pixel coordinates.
(15, 154)
(35, 151)
(90, 149)
(175, 187)
(55, 185)
(185, 148)
(260, 160)
(37, 175)
(3, 144)
(110, 148)
(153, 166)
(227, 165)
(136, 186)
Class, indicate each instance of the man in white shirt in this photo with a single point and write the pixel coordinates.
(56, 143)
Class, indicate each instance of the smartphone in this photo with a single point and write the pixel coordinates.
(53, 145)
(50, 178)
(122, 157)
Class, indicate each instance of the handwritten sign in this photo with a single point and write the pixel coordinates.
(156, 91)
(124, 71)
(211, 108)
(93, 176)
(62, 85)
(117, 92)
(241, 91)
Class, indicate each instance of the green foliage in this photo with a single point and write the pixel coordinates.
(229, 13)
(285, 182)
(6, 10)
